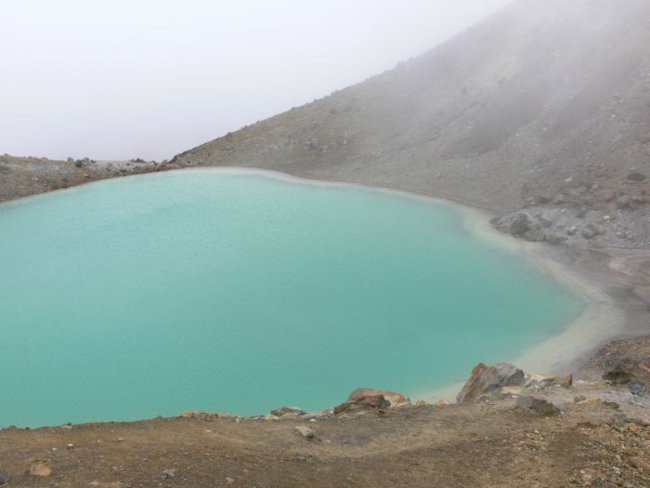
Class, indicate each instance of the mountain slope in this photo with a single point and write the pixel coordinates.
(546, 97)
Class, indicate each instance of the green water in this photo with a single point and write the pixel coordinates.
(155, 294)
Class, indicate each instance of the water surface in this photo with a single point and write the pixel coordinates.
(154, 294)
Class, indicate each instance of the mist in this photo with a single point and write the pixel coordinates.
(122, 79)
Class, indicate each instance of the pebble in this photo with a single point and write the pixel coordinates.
(4, 477)
(169, 473)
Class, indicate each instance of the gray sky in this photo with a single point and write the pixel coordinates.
(116, 79)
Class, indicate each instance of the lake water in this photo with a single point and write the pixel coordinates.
(199, 290)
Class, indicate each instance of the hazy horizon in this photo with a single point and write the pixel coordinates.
(118, 80)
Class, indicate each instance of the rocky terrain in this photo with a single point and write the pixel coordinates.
(510, 429)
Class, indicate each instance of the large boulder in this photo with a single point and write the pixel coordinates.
(488, 380)
(369, 398)
(395, 399)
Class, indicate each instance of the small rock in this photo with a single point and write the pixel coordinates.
(307, 433)
(645, 366)
(229, 480)
(40, 469)
(4, 477)
(538, 405)
(637, 388)
(579, 399)
(112, 484)
(441, 404)
(169, 473)
(623, 201)
(369, 402)
(421, 403)
(636, 177)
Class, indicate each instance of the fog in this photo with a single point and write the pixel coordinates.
(149, 78)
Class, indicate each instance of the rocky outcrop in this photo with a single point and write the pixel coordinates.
(488, 380)
(395, 399)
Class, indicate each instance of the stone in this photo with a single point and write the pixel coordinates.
(537, 405)
(441, 404)
(619, 375)
(395, 399)
(544, 380)
(579, 399)
(421, 403)
(4, 477)
(636, 388)
(519, 225)
(169, 473)
(307, 433)
(488, 380)
(645, 366)
(111, 484)
(623, 201)
(369, 402)
(636, 177)
(282, 411)
(40, 469)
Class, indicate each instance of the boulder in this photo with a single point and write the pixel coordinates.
(395, 399)
(364, 403)
(488, 380)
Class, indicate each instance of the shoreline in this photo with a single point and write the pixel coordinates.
(604, 319)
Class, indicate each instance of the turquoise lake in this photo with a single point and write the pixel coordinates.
(217, 291)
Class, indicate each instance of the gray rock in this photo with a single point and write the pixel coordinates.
(519, 225)
(637, 388)
(488, 380)
(623, 201)
(537, 405)
(279, 412)
(4, 477)
(636, 177)
(307, 433)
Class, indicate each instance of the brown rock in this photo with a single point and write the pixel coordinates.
(40, 469)
(395, 399)
(363, 403)
(488, 380)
